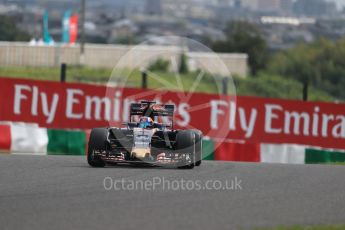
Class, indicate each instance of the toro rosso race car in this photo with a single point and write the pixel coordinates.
(146, 141)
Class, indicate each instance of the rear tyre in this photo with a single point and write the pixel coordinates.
(97, 142)
(198, 147)
(185, 142)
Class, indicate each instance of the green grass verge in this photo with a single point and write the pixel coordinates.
(74, 73)
(264, 85)
(156, 80)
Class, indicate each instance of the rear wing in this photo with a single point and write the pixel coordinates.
(150, 109)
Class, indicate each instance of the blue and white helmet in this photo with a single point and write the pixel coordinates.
(145, 122)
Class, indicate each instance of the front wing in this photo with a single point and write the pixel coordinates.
(172, 159)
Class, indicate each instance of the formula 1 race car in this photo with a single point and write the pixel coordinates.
(146, 141)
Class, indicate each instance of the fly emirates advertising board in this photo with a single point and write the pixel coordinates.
(83, 106)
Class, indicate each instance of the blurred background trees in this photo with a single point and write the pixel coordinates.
(244, 37)
(321, 64)
(9, 30)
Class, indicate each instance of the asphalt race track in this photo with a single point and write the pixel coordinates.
(63, 192)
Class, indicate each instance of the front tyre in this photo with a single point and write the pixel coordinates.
(97, 142)
(185, 143)
(198, 147)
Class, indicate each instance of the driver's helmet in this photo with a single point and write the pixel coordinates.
(145, 122)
